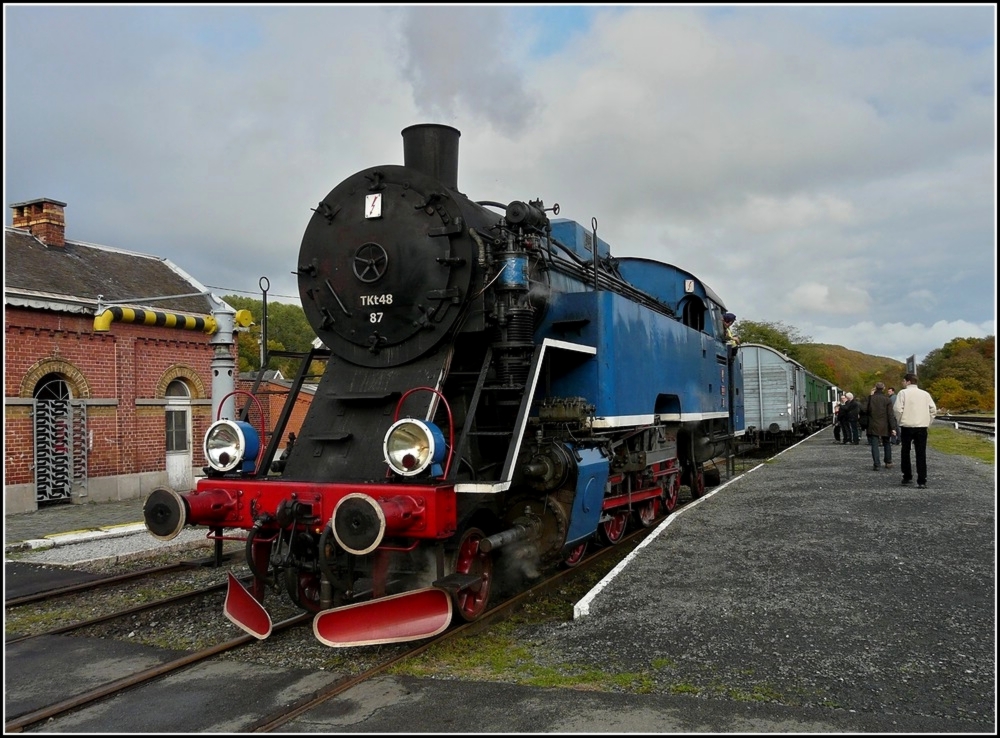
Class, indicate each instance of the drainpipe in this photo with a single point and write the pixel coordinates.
(221, 325)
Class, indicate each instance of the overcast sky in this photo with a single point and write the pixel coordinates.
(832, 168)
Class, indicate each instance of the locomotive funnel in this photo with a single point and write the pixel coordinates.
(432, 149)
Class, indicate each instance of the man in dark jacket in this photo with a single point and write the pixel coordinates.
(881, 425)
(850, 414)
(845, 426)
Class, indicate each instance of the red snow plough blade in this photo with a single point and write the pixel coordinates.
(244, 611)
(404, 617)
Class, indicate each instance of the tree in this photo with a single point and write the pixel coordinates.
(949, 395)
(777, 335)
(288, 329)
(971, 363)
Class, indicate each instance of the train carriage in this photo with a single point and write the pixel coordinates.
(820, 398)
(783, 401)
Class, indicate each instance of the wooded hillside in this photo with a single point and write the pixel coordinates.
(850, 370)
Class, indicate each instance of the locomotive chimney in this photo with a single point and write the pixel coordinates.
(433, 149)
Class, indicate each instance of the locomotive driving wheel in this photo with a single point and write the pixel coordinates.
(697, 482)
(303, 588)
(575, 556)
(647, 512)
(613, 529)
(671, 491)
(471, 600)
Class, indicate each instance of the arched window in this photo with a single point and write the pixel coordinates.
(178, 388)
(693, 312)
(52, 387)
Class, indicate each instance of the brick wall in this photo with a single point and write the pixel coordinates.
(272, 398)
(18, 449)
(128, 364)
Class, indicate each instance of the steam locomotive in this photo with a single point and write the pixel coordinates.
(499, 394)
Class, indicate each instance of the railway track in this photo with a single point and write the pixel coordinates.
(125, 613)
(117, 579)
(984, 425)
(600, 561)
(603, 558)
(126, 683)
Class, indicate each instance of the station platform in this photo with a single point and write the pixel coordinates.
(69, 523)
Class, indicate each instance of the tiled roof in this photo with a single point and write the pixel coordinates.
(82, 271)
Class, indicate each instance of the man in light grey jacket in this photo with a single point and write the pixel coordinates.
(914, 410)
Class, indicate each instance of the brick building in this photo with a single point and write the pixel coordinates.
(110, 413)
(272, 393)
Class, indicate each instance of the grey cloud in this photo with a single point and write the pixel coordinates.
(774, 152)
(458, 62)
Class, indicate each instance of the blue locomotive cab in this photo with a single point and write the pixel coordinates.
(697, 306)
(692, 301)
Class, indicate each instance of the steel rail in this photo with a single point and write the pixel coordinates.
(18, 724)
(153, 605)
(107, 581)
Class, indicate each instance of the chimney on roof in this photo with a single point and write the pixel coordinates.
(44, 217)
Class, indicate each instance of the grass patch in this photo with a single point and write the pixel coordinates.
(684, 688)
(500, 655)
(490, 654)
(959, 443)
(759, 693)
(23, 621)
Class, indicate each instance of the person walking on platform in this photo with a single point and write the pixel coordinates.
(914, 410)
(850, 413)
(881, 426)
(891, 392)
(863, 415)
(836, 418)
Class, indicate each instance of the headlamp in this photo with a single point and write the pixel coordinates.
(411, 446)
(230, 444)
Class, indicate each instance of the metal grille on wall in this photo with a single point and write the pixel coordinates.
(53, 450)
